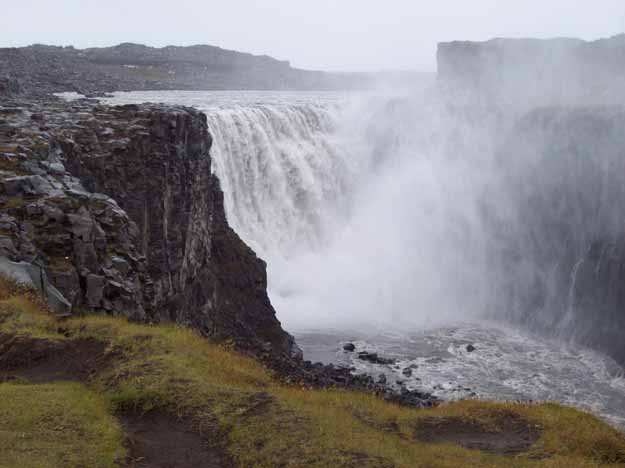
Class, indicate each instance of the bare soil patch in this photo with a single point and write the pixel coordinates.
(42, 361)
(160, 440)
(513, 436)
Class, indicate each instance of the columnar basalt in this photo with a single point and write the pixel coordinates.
(120, 207)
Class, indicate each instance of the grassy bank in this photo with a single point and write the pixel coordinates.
(240, 410)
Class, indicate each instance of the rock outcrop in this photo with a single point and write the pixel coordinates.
(120, 207)
(9, 87)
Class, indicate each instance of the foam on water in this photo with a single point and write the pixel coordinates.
(507, 364)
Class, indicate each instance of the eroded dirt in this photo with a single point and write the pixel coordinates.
(160, 440)
(154, 440)
(512, 436)
(42, 361)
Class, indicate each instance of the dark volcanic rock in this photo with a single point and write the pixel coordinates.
(9, 87)
(327, 376)
(349, 347)
(129, 67)
(374, 358)
(120, 206)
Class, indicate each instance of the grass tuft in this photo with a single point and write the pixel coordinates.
(57, 425)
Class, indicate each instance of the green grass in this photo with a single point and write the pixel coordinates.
(14, 203)
(57, 425)
(267, 424)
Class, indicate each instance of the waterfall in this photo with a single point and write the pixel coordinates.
(360, 214)
(569, 318)
(283, 170)
(418, 210)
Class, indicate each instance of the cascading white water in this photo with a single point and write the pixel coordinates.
(362, 216)
(569, 316)
(360, 220)
(282, 171)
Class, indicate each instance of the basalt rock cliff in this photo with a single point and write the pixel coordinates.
(119, 206)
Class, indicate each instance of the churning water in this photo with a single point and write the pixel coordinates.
(367, 212)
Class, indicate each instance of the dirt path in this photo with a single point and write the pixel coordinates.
(43, 361)
(159, 440)
(154, 440)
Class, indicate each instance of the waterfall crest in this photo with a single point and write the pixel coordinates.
(283, 169)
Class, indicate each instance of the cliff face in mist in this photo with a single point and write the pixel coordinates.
(120, 207)
(45, 69)
(563, 245)
(533, 72)
(555, 211)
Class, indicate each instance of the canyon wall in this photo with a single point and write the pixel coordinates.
(554, 209)
(526, 73)
(120, 207)
(562, 237)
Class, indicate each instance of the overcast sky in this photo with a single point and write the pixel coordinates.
(315, 34)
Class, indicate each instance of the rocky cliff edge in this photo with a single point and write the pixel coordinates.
(119, 209)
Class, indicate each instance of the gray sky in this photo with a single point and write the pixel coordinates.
(315, 34)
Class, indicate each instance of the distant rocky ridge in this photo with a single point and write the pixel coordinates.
(532, 72)
(119, 206)
(43, 69)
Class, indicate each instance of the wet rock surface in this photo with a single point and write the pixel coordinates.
(374, 358)
(319, 375)
(119, 206)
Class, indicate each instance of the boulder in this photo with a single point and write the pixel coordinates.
(374, 358)
(35, 277)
